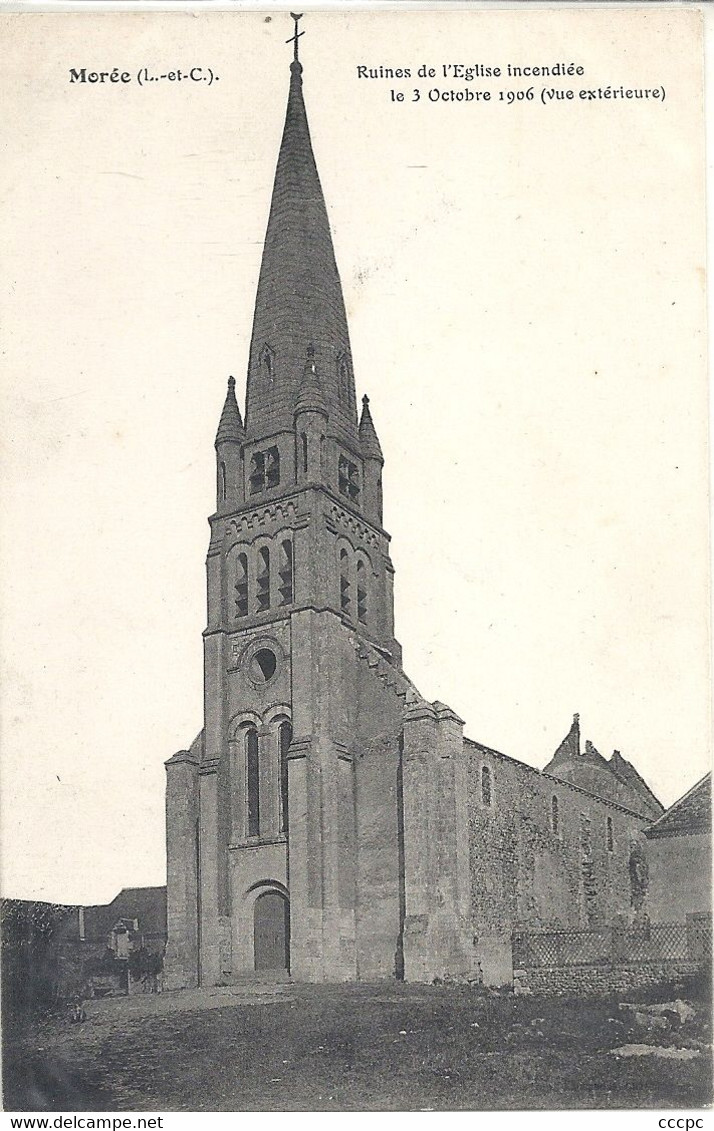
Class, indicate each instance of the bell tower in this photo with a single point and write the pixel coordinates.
(264, 826)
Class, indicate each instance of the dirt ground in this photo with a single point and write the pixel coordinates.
(386, 1047)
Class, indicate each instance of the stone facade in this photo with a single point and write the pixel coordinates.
(328, 820)
(679, 858)
(544, 853)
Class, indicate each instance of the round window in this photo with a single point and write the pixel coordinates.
(263, 665)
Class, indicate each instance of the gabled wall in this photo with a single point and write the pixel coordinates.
(527, 874)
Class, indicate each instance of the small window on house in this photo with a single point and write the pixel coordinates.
(486, 793)
(345, 600)
(263, 580)
(252, 782)
(348, 478)
(285, 735)
(304, 453)
(361, 592)
(285, 572)
(610, 839)
(121, 941)
(222, 482)
(264, 470)
(554, 816)
(242, 585)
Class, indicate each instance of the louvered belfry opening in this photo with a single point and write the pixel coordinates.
(285, 572)
(242, 585)
(262, 580)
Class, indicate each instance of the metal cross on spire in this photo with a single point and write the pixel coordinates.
(294, 38)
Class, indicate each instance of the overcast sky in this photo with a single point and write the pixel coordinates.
(524, 286)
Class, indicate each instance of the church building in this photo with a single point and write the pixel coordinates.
(328, 821)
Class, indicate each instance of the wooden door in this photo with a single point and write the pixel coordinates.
(272, 931)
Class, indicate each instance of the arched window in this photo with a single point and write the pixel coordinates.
(554, 816)
(252, 781)
(264, 470)
(285, 735)
(242, 585)
(361, 592)
(344, 582)
(285, 572)
(303, 438)
(486, 794)
(610, 837)
(222, 482)
(262, 580)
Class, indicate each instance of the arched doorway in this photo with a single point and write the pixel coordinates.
(271, 926)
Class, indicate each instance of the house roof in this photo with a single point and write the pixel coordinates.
(147, 905)
(692, 814)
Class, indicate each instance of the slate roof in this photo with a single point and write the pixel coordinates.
(692, 814)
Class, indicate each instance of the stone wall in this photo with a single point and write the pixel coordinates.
(538, 863)
(437, 937)
(680, 876)
(583, 981)
(379, 909)
(182, 808)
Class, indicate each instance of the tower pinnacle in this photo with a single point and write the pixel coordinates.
(230, 426)
(368, 433)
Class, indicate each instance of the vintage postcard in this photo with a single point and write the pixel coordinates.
(404, 804)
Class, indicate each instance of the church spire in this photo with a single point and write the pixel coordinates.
(299, 301)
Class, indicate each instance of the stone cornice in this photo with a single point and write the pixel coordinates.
(254, 508)
(209, 766)
(257, 843)
(184, 757)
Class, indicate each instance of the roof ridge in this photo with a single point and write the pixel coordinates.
(676, 805)
(552, 777)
